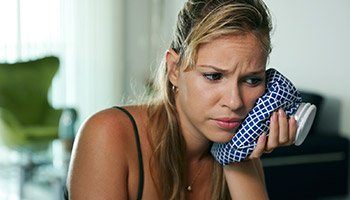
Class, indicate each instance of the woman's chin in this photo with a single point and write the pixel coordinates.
(224, 138)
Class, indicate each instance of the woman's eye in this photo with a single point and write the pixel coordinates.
(213, 76)
(253, 81)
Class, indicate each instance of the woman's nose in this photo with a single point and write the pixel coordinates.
(232, 98)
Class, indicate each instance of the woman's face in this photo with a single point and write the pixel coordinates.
(213, 99)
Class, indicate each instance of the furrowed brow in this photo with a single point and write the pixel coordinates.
(213, 67)
(258, 72)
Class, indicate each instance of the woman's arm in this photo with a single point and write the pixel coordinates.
(246, 179)
(259, 168)
(98, 168)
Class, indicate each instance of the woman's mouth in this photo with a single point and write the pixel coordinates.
(228, 124)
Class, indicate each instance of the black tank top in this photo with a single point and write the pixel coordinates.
(139, 154)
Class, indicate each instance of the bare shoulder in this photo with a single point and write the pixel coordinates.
(108, 130)
(105, 130)
(99, 163)
(104, 126)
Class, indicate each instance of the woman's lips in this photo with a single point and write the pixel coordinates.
(227, 124)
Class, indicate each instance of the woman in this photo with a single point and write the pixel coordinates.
(212, 74)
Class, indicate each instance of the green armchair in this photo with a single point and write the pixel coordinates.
(27, 120)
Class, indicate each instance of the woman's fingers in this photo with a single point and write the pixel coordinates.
(282, 133)
(273, 138)
(282, 130)
(292, 130)
(283, 127)
(260, 147)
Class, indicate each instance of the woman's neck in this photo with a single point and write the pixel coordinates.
(197, 145)
(197, 148)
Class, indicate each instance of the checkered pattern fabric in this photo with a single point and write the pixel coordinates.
(280, 93)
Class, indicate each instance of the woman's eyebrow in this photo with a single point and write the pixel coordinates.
(261, 71)
(257, 72)
(213, 67)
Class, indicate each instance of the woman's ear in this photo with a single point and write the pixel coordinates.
(172, 59)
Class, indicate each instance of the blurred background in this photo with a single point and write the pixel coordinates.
(63, 60)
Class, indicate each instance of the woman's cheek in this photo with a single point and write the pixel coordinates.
(253, 96)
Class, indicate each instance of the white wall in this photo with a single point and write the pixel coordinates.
(311, 46)
(149, 26)
(137, 47)
(93, 56)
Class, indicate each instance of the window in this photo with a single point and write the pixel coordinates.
(29, 29)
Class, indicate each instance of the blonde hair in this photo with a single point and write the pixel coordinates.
(198, 22)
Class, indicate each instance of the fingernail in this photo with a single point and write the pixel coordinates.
(281, 112)
(274, 116)
(291, 118)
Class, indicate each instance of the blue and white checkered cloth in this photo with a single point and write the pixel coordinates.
(280, 93)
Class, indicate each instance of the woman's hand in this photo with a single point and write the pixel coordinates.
(282, 133)
(246, 179)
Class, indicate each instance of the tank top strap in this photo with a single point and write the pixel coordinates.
(139, 152)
